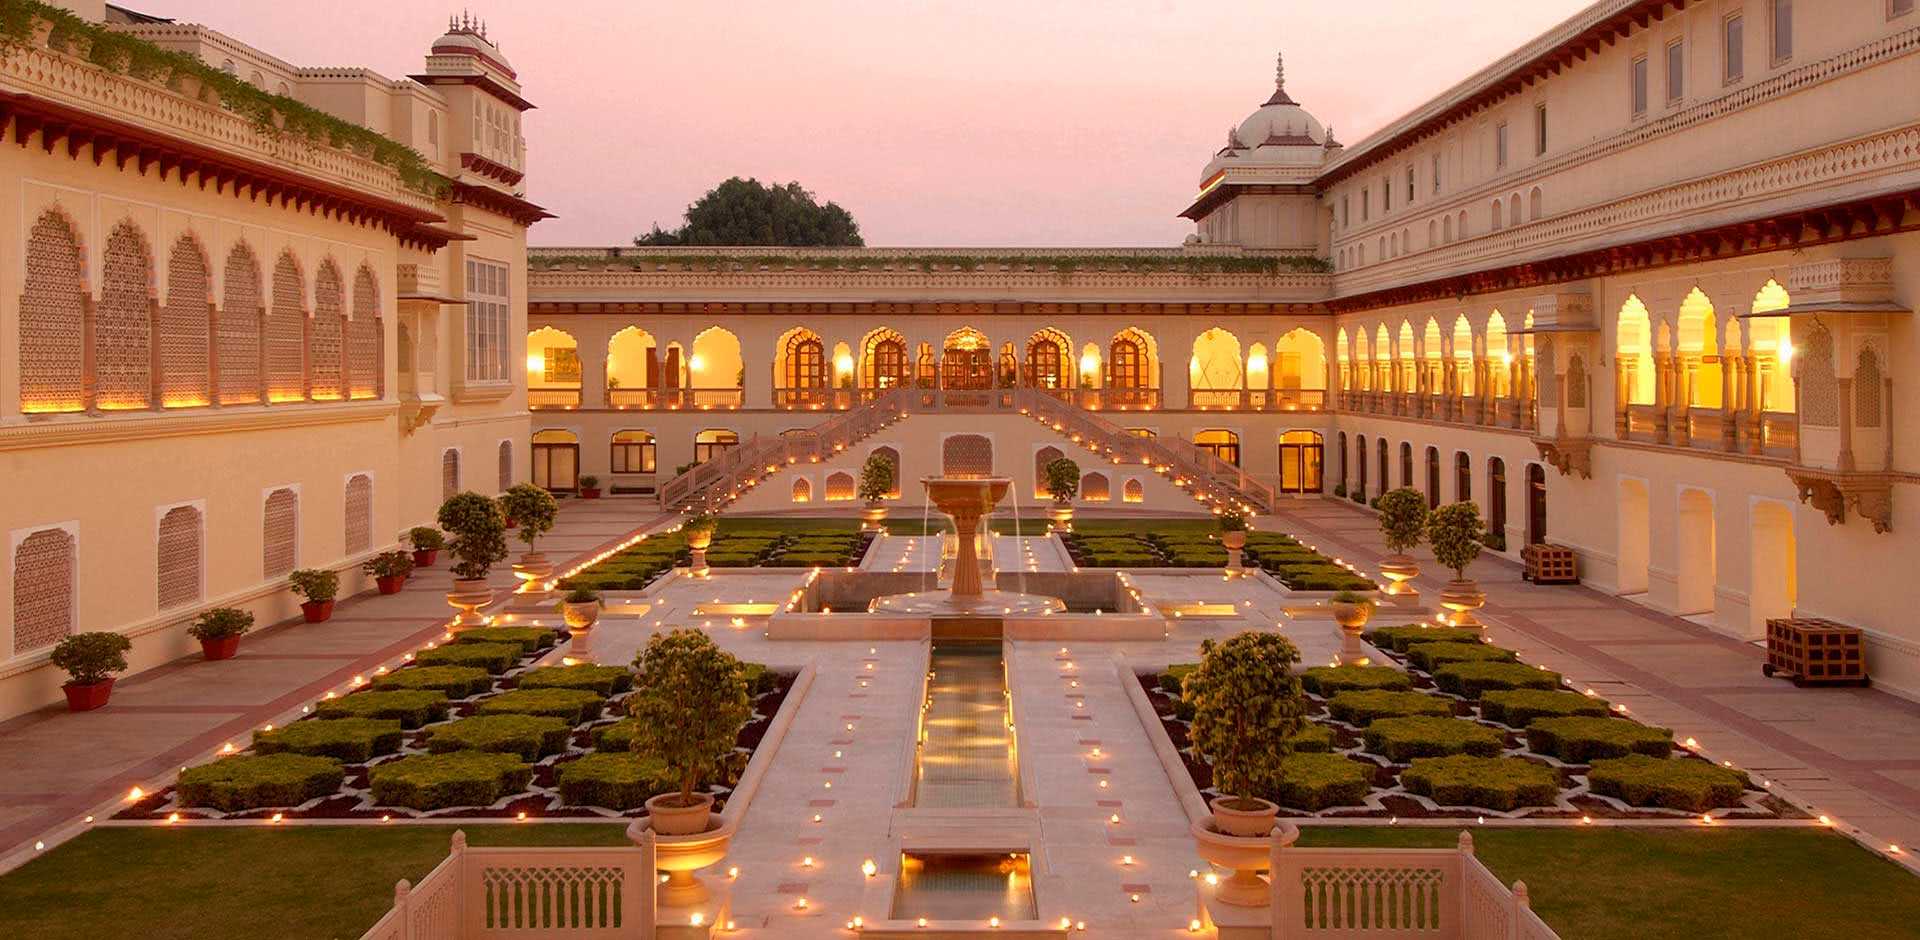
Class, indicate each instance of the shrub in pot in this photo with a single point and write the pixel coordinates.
(319, 586)
(698, 530)
(1247, 704)
(1233, 534)
(90, 660)
(688, 707)
(1351, 611)
(535, 510)
(589, 486)
(1063, 484)
(219, 630)
(1456, 533)
(580, 608)
(1403, 520)
(427, 543)
(479, 540)
(389, 570)
(876, 481)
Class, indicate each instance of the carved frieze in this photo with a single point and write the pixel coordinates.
(1833, 492)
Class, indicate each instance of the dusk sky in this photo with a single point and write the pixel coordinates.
(935, 122)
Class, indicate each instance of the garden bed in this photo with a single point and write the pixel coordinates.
(466, 744)
(737, 543)
(1152, 544)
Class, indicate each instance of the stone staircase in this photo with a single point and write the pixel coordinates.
(1191, 467)
(710, 485)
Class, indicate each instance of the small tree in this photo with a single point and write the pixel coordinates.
(1063, 480)
(91, 658)
(1455, 532)
(479, 534)
(425, 538)
(531, 506)
(1246, 708)
(688, 704)
(876, 478)
(218, 623)
(1403, 516)
(315, 584)
(1232, 520)
(700, 523)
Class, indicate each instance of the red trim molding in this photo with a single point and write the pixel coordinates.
(500, 203)
(490, 169)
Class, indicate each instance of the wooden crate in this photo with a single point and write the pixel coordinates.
(1815, 650)
(1550, 564)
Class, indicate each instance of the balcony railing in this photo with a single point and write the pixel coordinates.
(553, 398)
(1766, 433)
(1259, 399)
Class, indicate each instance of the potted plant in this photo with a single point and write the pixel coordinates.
(1247, 706)
(1455, 531)
(589, 486)
(218, 631)
(319, 586)
(689, 704)
(876, 481)
(1351, 610)
(479, 539)
(1063, 484)
(90, 660)
(580, 608)
(699, 532)
(536, 509)
(1403, 519)
(389, 570)
(1233, 535)
(426, 542)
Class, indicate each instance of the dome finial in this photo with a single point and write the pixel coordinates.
(1279, 71)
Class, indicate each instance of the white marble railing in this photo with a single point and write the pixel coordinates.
(513, 891)
(1440, 894)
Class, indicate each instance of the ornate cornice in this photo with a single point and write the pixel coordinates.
(539, 308)
(81, 429)
(490, 169)
(506, 204)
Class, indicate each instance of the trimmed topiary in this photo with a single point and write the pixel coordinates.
(602, 680)
(1495, 783)
(614, 737)
(759, 678)
(529, 736)
(411, 708)
(614, 780)
(456, 681)
(1398, 639)
(1365, 707)
(1248, 706)
(571, 705)
(529, 639)
(1691, 785)
(1469, 680)
(352, 740)
(1403, 739)
(456, 778)
(1172, 680)
(1313, 782)
(493, 657)
(1331, 680)
(1312, 739)
(1580, 740)
(250, 781)
(1430, 656)
(1518, 708)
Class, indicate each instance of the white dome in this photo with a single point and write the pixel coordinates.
(469, 37)
(1279, 133)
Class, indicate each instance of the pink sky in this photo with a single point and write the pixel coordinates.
(936, 122)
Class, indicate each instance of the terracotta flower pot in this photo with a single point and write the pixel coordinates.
(468, 596)
(1463, 597)
(86, 698)
(318, 611)
(390, 583)
(589, 492)
(425, 557)
(670, 819)
(1243, 823)
(220, 648)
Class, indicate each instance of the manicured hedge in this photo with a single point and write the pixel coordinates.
(1176, 674)
(808, 560)
(572, 705)
(529, 736)
(1579, 740)
(1403, 739)
(614, 737)
(455, 681)
(1496, 783)
(1398, 639)
(1691, 785)
(1198, 558)
(1313, 782)
(1469, 680)
(1312, 739)
(760, 679)
(1430, 656)
(493, 657)
(529, 639)
(1519, 707)
(248, 781)
(1365, 707)
(603, 680)
(412, 708)
(1332, 680)
(352, 740)
(457, 778)
(618, 781)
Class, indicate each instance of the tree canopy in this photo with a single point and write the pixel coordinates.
(749, 212)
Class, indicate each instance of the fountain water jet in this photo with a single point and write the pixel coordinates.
(965, 500)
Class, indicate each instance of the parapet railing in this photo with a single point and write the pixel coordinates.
(1441, 894)
(518, 891)
(703, 484)
(1217, 477)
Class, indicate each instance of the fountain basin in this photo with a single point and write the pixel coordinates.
(873, 605)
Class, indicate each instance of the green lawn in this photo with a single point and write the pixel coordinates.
(1646, 884)
(243, 884)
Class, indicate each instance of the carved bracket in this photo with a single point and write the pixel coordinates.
(1567, 455)
(415, 413)
(1833, 492)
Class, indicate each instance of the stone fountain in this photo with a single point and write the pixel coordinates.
(966, 500)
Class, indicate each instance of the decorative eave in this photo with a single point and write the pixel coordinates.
(882, 308)
(490, 169)
(1863, 218)
(1569, 455)
(507, 204)
(1870, 494)
(482, 81)
(125, 143)
(1219, 193)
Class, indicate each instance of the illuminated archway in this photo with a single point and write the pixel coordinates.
(633, 360)
(883, 360)
(1133, 367)
(1432, 359)
(1698, 334)
(553, 360)
(1049, 360)
(1300, 367)
(1214, 373)
(800, 367)
(716, 365)
(1463, 357)
(966, 360)
(1769, 342)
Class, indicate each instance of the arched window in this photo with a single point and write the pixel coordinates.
(713, 442)
(1133, 492)
(802, 490)
(1406, 464)
(1041, 458)
(123, 323)
(184, 321)
(505, 457)
(1047, 360)
(556, 459)
(52, 311)
(359, 521)
(366, 339)
(1496, 218)
(840, 486)
(1513, 209)
(1460, 226)
(1819, 390)
(1497, 498)
(179, 560)
(43, 589)
(893, 458)
(1462, 477)
(326, 340)
(1446, 229)
(884, 362)
(1360, 463)
(1380, 449)
(237, 343)
(1433, 478)
(1866, 390)
(449, 473)
(634, 452)
(286, 333)
(1535, 204)
(805, 361)
(280, 534)
(1343, 458)
(1221, 443)
(1094, 488)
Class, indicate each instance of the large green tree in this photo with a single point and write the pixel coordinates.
(749, 212)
